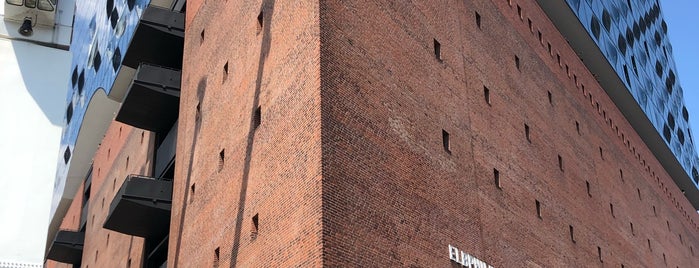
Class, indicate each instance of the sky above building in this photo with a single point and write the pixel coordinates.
(683, 30)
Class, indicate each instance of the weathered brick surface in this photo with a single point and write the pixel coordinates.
(392, 196)
(124, 150)
(272, 171)
(71, 221)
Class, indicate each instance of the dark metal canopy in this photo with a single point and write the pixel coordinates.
(141, 207)
(67, 247)
(153, 99)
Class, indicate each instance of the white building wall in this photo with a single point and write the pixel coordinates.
(34, 80)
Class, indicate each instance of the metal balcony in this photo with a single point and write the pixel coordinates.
(153, 99)
(67, 247)
(141, 207)
(159, 39)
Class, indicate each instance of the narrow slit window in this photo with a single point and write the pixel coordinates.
(260, 21)
(541, 37)
(633, 232)
(560, 162)
(611, 210)
(255, 225)
(577, 127)
(221, 159)
(549, 46)
(655, 213)
(538, 209)
(558, 56)
(587, 186)
(639, 193)
(486, 95)
(531, 27)
(519, 12)
(527, 133)
(664, 259)
(599, 254)
(572, 233)
(445, 141)
(192, 191)
(437, 50)
(217, 256)
(550, 96)
(649, 247)
(201, 36)
(478, 20)
(601, 153)
(517, 62)
(496, 176)
(621, 175)
(225, 72)
(257, 118)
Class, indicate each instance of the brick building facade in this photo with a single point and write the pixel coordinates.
(401, 134)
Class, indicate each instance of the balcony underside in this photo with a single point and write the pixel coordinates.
(67, 247)
(141, 207)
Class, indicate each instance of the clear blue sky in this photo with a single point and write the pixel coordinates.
(682, 17)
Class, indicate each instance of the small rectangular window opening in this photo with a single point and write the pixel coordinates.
(649, 248)
(257, 118)
(567, 70)
(478, 20)
(577, 127)
(632, 230)
(639, 193)
(519, 12)
(496, 176)
(560, 162)
(538, 209)
(437, 50)
(225, 72)
(217, 256)
(599, 253)
(655, 212)
(572, 234)
(526, 133)
(221, 159)
(550, 96)
(587, 185)
(549, 46)
(517, 62)
(260, 21)
(664, 259)
(541, 37)
(558, 56)
(601, 153)
(255, 226)
(531, 27)
(486, 94)
(192, 190)
(201, 36)
(445, 141)
(611, 209)
(621, 175)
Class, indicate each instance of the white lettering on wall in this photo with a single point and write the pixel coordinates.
(466, 259)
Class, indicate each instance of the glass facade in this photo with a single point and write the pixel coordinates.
(632, 35)
(102, 33)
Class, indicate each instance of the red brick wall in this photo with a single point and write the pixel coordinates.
(124, 150)
(392, 196)
(272, 171)
(71, 221)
